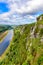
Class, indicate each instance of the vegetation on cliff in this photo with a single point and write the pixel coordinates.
(26, 47)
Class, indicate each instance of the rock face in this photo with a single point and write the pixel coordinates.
(40, 17)
(38, 29)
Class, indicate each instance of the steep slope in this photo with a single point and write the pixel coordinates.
(26, 47)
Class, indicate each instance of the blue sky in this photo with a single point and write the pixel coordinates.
(14, 12)
(3, 7)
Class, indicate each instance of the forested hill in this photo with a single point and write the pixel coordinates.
(4, 28)
(26, 47)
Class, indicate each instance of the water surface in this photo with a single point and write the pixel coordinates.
(5, 43)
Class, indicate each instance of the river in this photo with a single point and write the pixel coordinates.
(5, 43)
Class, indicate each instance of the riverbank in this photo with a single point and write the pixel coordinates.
(3, 35)
(6, 44)
(4, 54)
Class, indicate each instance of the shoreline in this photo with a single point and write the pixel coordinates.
(5, 33)
(4, 54)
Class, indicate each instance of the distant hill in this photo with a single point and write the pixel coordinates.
(26, 47)
(4, 28)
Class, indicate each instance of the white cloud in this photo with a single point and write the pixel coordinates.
(31, 7)
(20, 8)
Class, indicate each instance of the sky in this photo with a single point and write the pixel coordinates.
(15, 12)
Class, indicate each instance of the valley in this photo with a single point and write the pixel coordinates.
(26, 46)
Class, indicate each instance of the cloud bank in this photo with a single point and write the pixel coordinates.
(21, 11)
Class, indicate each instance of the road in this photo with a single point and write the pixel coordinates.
(5, 43)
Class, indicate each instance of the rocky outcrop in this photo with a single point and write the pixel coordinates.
(40, 17)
